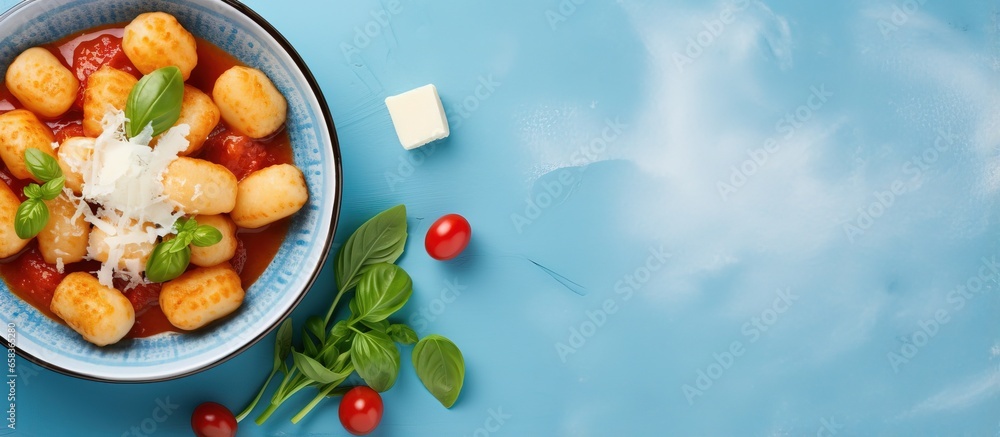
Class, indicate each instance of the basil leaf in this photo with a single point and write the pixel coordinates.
(340, 329)
(344, 361)
(41, 165)
(328, 355)
(441, 368)
(166, 264)
(178, 243)
(313, 370)
(383, 290)
(31, 217)
(33, 191)
(379, 240)
(155, 100)
(353, 306)
(53, 188)
(376, 359)
(400, 333)
(315, 326)
(183, 225)
(310, 346)
(205, 235)
(381, 325)
(283, 344)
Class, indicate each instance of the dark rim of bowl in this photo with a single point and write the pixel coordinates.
(321, 100)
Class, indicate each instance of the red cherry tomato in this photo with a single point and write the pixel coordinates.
(240, 154)
(91, 55)
(448, 237)
(213, 420)
(34, 275)
(361, 410)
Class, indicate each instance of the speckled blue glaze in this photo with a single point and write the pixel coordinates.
(279, 287)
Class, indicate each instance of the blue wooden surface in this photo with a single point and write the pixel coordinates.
(690, 218)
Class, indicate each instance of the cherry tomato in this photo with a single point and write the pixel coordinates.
(240, 154)
(448, 237)
(91, 55)
(32, 274)
(213, 420)
(361, 410)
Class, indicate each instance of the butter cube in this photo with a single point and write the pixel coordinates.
(418, 116)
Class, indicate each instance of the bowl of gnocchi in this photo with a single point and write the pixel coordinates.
(171, 183)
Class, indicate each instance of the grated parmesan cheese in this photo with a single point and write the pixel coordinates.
(125, 177)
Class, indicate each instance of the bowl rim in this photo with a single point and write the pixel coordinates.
(324, 254)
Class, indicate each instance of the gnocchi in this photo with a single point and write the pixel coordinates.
(65, 237)
(201, 296)
(21, 130)
(72, 155)
(268, 195)
(102, 315)
(249, 102)
(156, 39)
(41, 83)
(200, 187)
(220, 252)
(135, 254)
(199, 112)
(106, 88)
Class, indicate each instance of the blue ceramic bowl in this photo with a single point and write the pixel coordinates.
(244, 34)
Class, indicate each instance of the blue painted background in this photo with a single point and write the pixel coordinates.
(690, 218)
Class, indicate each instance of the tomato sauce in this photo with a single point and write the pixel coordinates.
(32, 279)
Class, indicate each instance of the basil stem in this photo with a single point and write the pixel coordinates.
(324, 392)
(282, 347)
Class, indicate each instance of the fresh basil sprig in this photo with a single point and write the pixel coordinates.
(170, 258)
(379, 240)
(155, 100)
(32, 215)
(365, 342)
